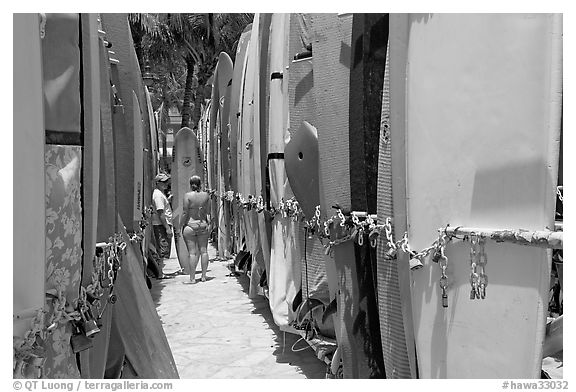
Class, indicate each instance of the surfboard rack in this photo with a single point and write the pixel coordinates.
(542, 239)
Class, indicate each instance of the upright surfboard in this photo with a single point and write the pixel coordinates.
(221, 108)
(260, 159)
(319, 281)
(187, 163)
(235, 131)
(394, 305)
(475, 116)
(332, 62)
(138, 160)
(64, 117)
(107, 213)
(153, 133)
(28, 190)
(235, 102)
(283, 271)
(250, 123)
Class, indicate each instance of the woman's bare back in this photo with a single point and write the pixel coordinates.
(197, 205)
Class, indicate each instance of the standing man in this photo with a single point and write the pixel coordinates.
(162, 216)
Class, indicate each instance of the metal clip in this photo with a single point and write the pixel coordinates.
(341, 217)
(361, 236)
(443, 262)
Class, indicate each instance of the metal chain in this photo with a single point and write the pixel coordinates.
(474, 278)
(443, 262)
(482, 261)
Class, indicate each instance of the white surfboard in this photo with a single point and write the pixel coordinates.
(29, 234)
(284, 273)
(476, 103)
(187, 163)
(236, 146)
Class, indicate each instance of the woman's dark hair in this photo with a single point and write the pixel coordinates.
(195, 183)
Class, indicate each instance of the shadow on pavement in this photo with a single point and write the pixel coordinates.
(306, 361)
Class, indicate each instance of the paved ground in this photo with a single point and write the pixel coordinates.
(216, 331)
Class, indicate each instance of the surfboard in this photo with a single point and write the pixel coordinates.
(29, 190)
(63, 120)
(146, 347)
(395, 311)
(236, 147)
(369, 41)
(262, 99)
(224, 71)
(138, 160)
(234, 113)
(92, 124)
(213, 152)
(187, 163)
(250, 125)
(107, 213)
(153, 133)
(332, 55)
(124, 78)
(485, 167)
(283, 272)
(107, 197)
(319, 282)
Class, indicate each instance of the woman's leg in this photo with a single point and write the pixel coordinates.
(191, 244)
(203, 247)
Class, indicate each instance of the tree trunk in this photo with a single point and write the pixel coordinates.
(188, 92)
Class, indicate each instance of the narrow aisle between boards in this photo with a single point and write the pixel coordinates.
(216, 331)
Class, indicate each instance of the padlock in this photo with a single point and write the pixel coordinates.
(33, 366)
(444, 299)
(415, 264)
(105, 282)
(91, 298)
(391, 253)
(112, 299)
(80, 342)
(482, 290)
(478, 292)
(89, 325)
(472, 293)
(437, 255)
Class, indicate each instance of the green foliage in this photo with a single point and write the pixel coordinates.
(177, 46)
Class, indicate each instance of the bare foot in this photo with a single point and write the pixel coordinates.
(203, 279)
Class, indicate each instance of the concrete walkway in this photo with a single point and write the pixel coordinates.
(216, 331)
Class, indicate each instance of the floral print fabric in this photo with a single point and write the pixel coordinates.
(63, 250)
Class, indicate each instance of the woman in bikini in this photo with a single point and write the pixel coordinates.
(195, 227)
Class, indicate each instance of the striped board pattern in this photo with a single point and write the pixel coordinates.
(312, 262)
(332, 55)
(396, 335)
(368, 55)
